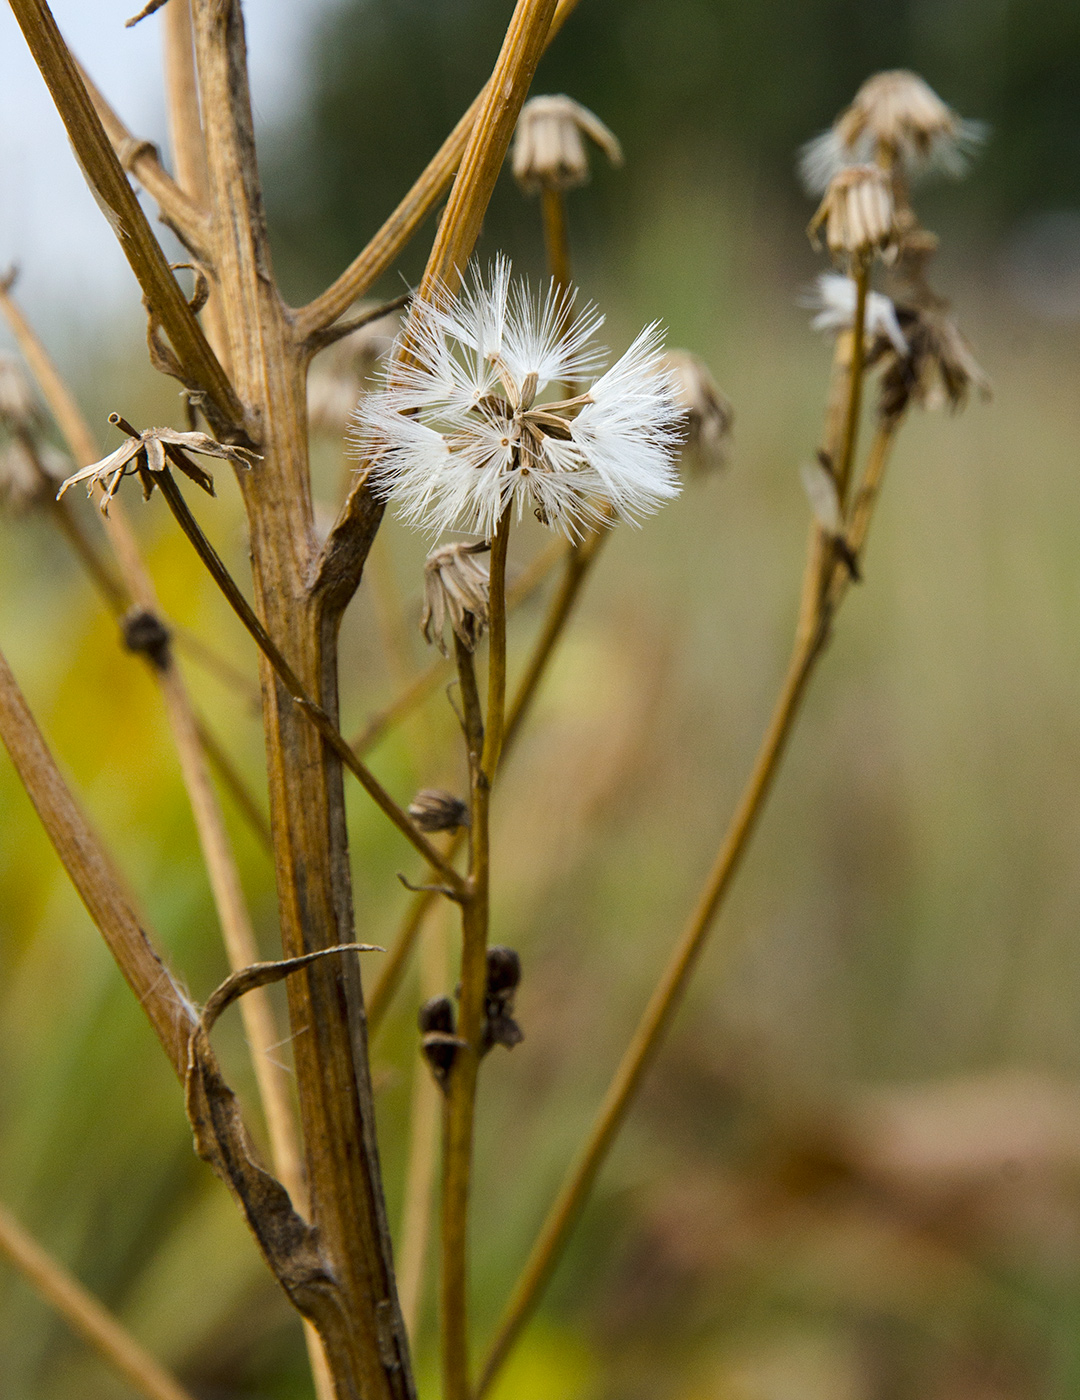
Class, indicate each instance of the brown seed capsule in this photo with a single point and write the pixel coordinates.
(858, 214)
(503, 976)
(456, 589)
(549, 152)
(707, 413)
(144, 631)
(439, 1044)
(939, 369)
(503, 971)
(432, 809)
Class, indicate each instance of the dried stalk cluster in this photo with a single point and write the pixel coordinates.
(489, 398)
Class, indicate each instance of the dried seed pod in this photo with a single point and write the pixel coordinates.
(439, 1045)
(707, 413)
(503, 971)
(503, 977)
(858, 214)
(432, 809)
(456, 587)
(939, 369)
(549, 152)
(899, 121)
(143, 631)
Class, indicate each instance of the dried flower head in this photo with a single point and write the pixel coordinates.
(549, 152)
(858, 213)
(456, 586)
(432, 809)
(939, 368)
(151, 451)
(340, 375)
(833, 297)
(503, 979)
(707, 413)
(459, 434)
(439, 1045)
(899, 121)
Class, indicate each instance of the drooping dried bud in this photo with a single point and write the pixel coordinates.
(456, 586)
(549, 152)
(898, 121)
(707, 413)
(341, 374)
(439, 1045)
(22, 484)
(939, 369)
(858, 214)
(503, 977)
(432, 809)
(143, 631)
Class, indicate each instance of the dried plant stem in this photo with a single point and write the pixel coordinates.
(667, 995)
(85, 1315)
(318, 716)
(842, 468)
(141, 248)
(425, 1118)
(461, 1086)
(496, 698)
(556, 237)
(579, 560)
(421, 686)
(402, 225)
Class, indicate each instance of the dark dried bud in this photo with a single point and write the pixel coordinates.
(145, 632)
(503, 976)
(432, 809)
(503, 971)
(439, 1045)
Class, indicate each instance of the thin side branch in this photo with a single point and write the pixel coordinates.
(142, 250)
(402, 225)
(85, 1315)
(187, 219)
(318, 716)
(667, 996)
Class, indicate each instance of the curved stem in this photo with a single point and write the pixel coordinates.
(667, 996)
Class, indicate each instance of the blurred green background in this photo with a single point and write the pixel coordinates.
(855, 1171)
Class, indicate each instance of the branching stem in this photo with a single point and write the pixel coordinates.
(667, 996)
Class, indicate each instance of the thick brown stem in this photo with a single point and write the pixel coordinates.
(305, 776)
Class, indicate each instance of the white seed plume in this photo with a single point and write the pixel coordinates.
(833, 297)
(459, 433)
(898, 120)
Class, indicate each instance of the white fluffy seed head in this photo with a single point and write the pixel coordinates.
(472, 418)
(833, 298)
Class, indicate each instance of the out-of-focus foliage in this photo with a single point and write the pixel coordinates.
(716, 89)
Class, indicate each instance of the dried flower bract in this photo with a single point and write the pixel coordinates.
(340, 374)
(432, 809)
(151, 451)
(939, 369)
(459, 433)
(456, 588)
(858, 214)
(707, 413)
(898, 121)
(549, 150)
(833, 298)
